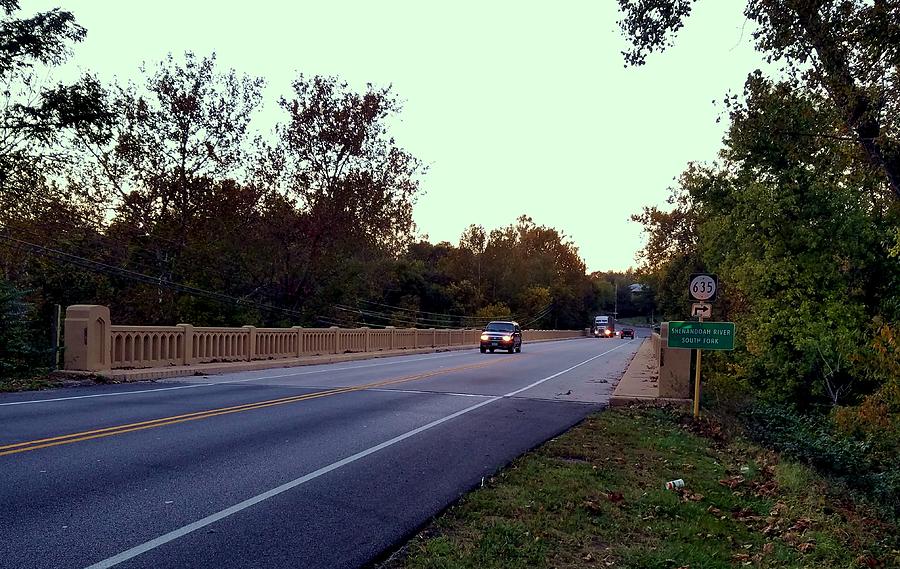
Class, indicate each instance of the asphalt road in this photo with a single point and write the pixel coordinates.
(320, 466)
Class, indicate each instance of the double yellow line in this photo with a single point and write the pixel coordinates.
(196, 416)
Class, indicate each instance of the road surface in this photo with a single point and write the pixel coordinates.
(319, 466)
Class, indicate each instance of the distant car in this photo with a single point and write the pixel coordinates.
(501, 335)
(628, 333)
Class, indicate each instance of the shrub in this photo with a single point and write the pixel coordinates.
(818, 442)
(18, 355)
(809, 439)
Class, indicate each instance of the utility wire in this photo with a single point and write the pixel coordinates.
(543, 309)
(98, 267)
(108, 257)
(539, 316)
(479, 318)
(390, 318)
(443, 322)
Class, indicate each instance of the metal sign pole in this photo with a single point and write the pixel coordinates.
(697, 382)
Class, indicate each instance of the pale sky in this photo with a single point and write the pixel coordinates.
(517, 108)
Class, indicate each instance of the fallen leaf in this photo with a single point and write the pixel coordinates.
(801, 525)
(732, 481)
(592, 506)
(745, 515)
(778, 509)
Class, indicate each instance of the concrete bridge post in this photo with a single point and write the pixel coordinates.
(87, 338)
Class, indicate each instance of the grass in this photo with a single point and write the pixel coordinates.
(596, 497)
(27, 383)
(46, 380)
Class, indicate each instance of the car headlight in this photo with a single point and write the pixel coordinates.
(485, 337)
(507, 338)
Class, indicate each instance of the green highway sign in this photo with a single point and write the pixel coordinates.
(701, 335)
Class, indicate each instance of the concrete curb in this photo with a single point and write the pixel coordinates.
(146, 374)
(640, 382)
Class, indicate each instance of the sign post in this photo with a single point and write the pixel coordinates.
(702, 290)
(697, 379)
(700, 336)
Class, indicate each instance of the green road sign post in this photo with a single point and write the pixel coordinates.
(700, 336)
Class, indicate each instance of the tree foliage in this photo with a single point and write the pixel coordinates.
(848, 49)
(173, 208)
(800, 235)
(38, 117)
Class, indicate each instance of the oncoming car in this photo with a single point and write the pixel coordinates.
(501, 335)
(628, 333)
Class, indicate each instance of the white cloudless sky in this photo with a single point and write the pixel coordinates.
(516, 107)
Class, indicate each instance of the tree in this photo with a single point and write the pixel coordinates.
(166, 165)
(343, 167)
(35, 117)
(800, 239)
(352, 185)
(849, 49)
(18, 355)
(184, 129)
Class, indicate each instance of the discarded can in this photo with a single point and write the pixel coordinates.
(675, 484)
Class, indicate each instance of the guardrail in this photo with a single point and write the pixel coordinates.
(93, 343)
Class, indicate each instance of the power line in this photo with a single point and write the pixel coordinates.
(390, 318)
(543, 309)
(479, 318)
(539, 316)
(98, 267)
(437, 322)
(104, 268)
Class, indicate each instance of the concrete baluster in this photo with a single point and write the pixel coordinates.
(251, 342)
(187, 348)
(298, 331)
(336, 336)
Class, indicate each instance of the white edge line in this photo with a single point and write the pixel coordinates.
(119, 393)
(213, 518)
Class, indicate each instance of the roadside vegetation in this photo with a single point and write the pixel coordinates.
(800, 219)
(596, 497)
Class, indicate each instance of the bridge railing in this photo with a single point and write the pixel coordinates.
(94, 344)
